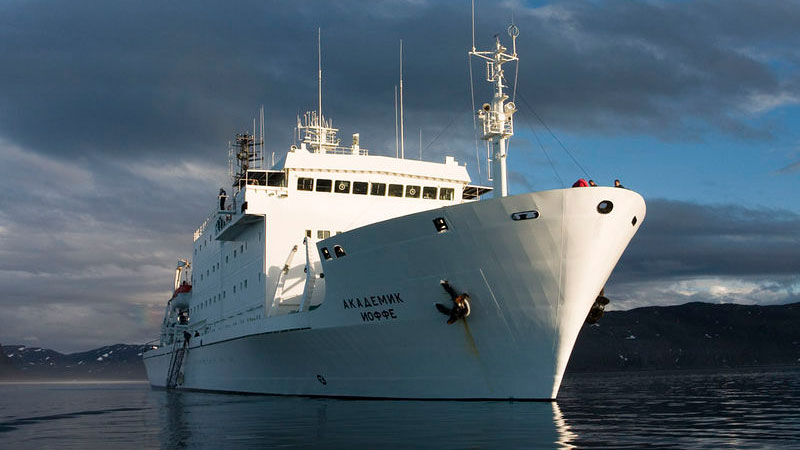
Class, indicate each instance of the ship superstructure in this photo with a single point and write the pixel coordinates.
(327, 273)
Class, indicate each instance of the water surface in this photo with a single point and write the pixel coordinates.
(752, 409)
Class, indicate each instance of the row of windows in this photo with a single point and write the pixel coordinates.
(215, 267)
(218, 297)
(322, 234)
(379, 189)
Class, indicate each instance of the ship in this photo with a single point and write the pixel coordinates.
(337, 273)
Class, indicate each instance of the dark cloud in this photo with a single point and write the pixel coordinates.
(729, 253)
(681, 239)
(115, 116)
(131, 79)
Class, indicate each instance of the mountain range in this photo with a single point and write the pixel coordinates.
(690, 336)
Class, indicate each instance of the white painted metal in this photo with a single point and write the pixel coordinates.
(354, 314)
(497, 117)
(532, 285)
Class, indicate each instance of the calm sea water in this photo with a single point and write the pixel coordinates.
(653, 410)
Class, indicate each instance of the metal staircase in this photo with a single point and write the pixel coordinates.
(176, 362)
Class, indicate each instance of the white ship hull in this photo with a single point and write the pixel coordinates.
(378, 333)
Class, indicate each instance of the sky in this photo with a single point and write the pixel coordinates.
(115, 119)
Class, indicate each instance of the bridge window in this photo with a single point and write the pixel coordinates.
(446, 194)
(323, 234)
(342, 187)
(324, 185)
(395, 190)
(412, 191)
(378, 189)
(305, 184)
(429, 192)
(360, 187)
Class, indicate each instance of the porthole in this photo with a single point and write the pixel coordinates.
(440, 224)
(338, 251)
(605, 207)
(633, 222)
(325, 252)
(525, 215)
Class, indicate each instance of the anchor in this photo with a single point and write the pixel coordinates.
(598, 308)
(461, 307)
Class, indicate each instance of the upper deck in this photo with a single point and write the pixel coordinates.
(347, 180)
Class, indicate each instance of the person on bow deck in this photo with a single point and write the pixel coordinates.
(580, 183)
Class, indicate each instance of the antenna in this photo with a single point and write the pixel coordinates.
(319, 66)
(420, 144)
(473, 25)
(402, 136)
(263, 144)
(396, 132)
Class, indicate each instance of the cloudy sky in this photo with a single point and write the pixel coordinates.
(115, 116)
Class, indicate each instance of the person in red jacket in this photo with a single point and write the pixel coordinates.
(580, 183)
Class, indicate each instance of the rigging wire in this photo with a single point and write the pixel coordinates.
(516, 76)
(474, 116)
(547, 155)
(446, 127)
(563, 147)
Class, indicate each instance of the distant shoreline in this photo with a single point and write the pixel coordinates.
(136, 381)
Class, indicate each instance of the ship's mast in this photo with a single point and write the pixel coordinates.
(320, 136)
(497, 116)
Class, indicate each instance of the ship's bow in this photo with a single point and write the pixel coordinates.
(598, 224)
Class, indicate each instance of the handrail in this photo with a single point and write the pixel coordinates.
(202, 228)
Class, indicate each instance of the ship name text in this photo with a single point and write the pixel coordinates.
(374, 301)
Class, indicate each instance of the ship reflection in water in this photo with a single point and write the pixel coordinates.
(687, 410)
(198, 420)
(654, 410)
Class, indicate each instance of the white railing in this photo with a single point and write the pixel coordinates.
(202, 228)
(494, 126)
(346, 151)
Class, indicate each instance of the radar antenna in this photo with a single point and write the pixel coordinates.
(497, 116)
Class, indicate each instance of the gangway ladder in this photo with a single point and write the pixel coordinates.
(176, 363)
